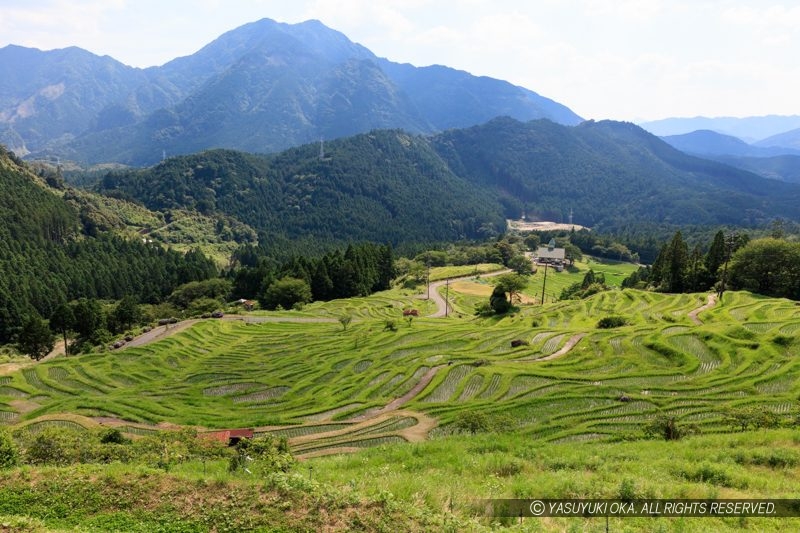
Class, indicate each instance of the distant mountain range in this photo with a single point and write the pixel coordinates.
(390, 186)
(748, 129)
(764, 158)
(263, 87)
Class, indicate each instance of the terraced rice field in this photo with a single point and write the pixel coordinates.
(320, 386)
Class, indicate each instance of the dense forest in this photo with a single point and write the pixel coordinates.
(46, 259)
(389, 186)
(386, 186)
(611, 175)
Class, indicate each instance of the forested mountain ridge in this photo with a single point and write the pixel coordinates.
(610, 174)
(391, 186)
(263, 87)
(52, 252)
(385, 186)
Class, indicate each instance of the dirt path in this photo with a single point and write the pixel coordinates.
(416, 433)
(159, 333)
(712, 301)
(162, 332)
(438, 299)
(560, 353)
(402, 400)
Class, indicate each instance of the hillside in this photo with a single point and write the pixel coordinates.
(386, 186)
(780, 167)
(610, 174)
(390, 186)
(574, 393)
(58, 245)
(263, 87)
(240, 373)
(787, 140)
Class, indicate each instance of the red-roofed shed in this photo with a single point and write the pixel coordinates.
(229, 436)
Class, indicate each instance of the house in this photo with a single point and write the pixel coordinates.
(248, 305)
(551, 255)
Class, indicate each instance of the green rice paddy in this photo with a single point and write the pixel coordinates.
(300, 379)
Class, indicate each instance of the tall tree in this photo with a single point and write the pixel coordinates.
(715, 257)
(63, 320)
(35, 338)
(512, 284)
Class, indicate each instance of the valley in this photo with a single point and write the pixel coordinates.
(284, 284)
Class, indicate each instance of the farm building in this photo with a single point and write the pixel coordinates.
(551, 255)
(231, 437)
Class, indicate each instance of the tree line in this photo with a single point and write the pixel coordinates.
(768, 266)
(359, 270)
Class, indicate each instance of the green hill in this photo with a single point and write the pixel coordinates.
(57, 245)
(390, 186)
(386, 186)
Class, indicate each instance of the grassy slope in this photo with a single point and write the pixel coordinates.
(222, 374)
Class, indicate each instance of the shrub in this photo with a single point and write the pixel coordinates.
(262, 455)
(113, 436)
(668, 428)
(783, 340)
(611, 322)
(472, 422)
(9, 456)
(627, 490)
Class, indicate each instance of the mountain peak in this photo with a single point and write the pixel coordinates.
(263, 87)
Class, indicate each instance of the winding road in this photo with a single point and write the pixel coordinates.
(438, 299)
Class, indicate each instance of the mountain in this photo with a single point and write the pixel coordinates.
(788, 139)
(610, 174)
(711, 143)
(773, 162)
(263, 87)
(53, 96)
(749, 129)
(391, 186)
(385, 186)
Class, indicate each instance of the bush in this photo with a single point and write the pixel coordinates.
(113, 436)
(611, 322)
(9, 456)
(472, 422)
(668, 428)
(783, 340)
(262, 455)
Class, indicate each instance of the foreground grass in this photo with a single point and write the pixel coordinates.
(139, 499)
(429, 486)
(446, 475)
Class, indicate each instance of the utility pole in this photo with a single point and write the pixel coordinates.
(544, 282)
(428, 278)
(730, 240)
(446, 296)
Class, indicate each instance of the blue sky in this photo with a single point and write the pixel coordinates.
(621, 59)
